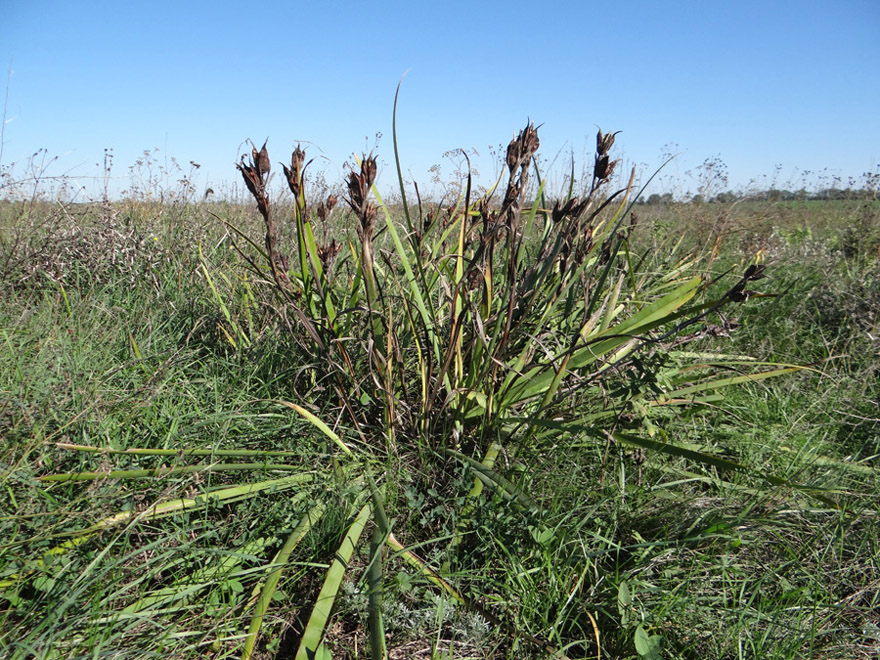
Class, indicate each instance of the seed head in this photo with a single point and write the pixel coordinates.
(560, 211)
(754, 272)
(604, 142)
(513, 155)
(604, 167)
(296, 172)
(359, 184)
(530, 142)
(254, 182)
(262, 160)
(249, 174)
(369, 170)
(327, 253)
(325, 208)
(522, 148)
(367, 218)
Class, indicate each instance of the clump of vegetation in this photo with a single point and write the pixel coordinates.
(491, 427)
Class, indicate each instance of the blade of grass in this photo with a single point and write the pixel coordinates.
(320, 616)
(157, 510)
(176, 452)
(375, 576)
(267, 591)
(165, 471)
(318, 424)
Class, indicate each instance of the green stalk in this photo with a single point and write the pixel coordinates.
(176, 452)
(165, 471)
(313, 635)
(375, 577)
(158, 510)
(280, 561)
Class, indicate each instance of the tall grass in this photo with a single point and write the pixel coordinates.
(510, 426)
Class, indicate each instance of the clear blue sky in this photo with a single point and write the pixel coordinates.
(754, 83)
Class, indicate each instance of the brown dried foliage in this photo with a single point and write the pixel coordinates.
(326, 208)
(520, 152)
(254, 175)
(262, 159)
(604, 166)
(359, 184)
(295, 174)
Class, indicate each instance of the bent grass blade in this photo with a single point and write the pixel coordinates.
(314, 633)
(268, 589)
(158, 510)
(318, 424)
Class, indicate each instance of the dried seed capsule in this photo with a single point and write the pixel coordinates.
(262, 159)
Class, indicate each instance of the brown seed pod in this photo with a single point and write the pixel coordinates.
(262, 159)
(604, 142)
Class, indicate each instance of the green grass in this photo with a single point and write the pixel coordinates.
(325, 462)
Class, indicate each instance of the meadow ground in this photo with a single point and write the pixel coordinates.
(189, 461)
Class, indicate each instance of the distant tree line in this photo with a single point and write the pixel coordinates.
(771, 195)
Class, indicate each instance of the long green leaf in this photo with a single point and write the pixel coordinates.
(314, 632)
(721, 463)
(280, 561)
(176, 452)
(159, 509)
(536, 380)
(165, 471)
(718, 383)
(184, 590)
(406, 215)
(415, 289)
(318, 424)
(490, 477)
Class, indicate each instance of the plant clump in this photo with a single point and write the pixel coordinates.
(513, 324)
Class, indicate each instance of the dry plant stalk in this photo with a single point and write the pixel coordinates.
(359, 184)
(255, 174)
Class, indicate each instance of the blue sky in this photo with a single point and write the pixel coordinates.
(755, 84)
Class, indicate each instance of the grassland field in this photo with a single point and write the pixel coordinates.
(138, 344)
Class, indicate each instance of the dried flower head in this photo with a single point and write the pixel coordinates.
(359, 184)
(530, 142)
(262, 159)
(295, 174)
(604, 167)
(327, 253)
(367, 219)
(254, 181)
(326, 208)
(604, 142)
(522, 148)
(513, 155)
(249, 174)
(562, 211)
(370, 169)
(739, 293)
